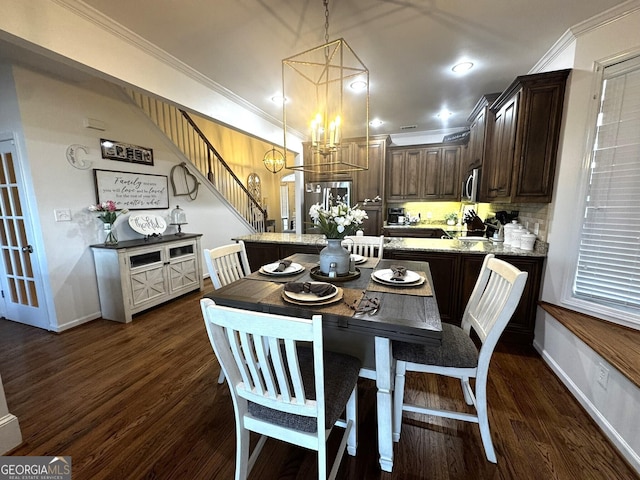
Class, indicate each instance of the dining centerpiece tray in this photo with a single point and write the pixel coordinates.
(316, 274)
(410, 279)
(271, 269)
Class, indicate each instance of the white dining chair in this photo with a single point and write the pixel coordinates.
(367, 246)
(226, 264)
(283, 384)
(494, 299)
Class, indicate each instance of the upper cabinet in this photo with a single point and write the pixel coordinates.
(480, 127)
(426, 172)
(368, 184)
(520, 166)
(405, 167)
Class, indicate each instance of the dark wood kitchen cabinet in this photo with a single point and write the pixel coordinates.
(404, 169)
(445, 273)
(480, 127)
(454, 276)
(425, 172)
(524, 141)
(369, 184)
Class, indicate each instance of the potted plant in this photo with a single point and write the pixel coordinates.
(451, 218)
(337, 222)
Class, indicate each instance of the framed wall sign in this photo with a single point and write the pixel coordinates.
(125, 152)
(135, 191)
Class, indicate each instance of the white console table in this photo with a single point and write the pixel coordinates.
(135, 275)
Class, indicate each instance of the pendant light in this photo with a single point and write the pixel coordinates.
(322, 106)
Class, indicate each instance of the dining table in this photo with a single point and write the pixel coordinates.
(362, 319)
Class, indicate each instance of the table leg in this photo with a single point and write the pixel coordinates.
(384, 383)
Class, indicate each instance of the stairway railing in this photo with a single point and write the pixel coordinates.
(178, 126)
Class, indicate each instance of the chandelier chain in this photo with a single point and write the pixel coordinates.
(326, 21)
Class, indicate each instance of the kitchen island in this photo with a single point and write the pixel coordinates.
(454, 265)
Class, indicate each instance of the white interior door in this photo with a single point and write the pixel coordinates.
(20, 280)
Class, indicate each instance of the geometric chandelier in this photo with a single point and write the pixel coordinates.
(322, 103)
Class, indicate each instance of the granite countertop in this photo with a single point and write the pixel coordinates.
(407, 244)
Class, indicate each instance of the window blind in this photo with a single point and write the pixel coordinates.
(608, 269)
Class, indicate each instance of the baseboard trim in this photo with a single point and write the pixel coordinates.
(10, 435)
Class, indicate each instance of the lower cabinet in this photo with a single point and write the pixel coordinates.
(260, 254)
(136, 275)
(454, 276)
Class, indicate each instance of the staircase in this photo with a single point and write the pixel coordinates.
(185, 134)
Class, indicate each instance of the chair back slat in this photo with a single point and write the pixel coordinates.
(227, 263)
(494, 299)
(367, 246)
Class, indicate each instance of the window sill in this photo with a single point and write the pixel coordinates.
(617, 344)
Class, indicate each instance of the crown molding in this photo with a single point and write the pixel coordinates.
(570, 36)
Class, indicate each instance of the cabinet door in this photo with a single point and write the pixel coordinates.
(449, 188)
(368, 183)
(536, 150)
(413, 174)
(500, 163)
(395, 175)
(373, 224)
(431, 174)
(182, 269)
(475, 146)
(148, 283)
(444, 272)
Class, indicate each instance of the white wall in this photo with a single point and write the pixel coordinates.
(51, 116)
(615, 409)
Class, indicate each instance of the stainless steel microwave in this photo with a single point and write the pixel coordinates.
(470, 186)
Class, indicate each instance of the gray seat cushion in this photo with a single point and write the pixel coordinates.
(340, 376)
(457, 350)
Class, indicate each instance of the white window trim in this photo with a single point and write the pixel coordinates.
(619, 316)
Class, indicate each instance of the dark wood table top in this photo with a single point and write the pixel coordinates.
(401, 316)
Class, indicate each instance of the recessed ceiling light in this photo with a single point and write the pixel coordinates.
(279, 99)
(462, 67)
(376, 122)
(444, 114)
(358, 85)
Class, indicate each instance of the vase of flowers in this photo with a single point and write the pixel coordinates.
(108, 213)
(335, 223)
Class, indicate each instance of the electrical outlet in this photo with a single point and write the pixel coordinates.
(62, 214)
(603, 375)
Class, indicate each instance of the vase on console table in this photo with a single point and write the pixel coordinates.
(111, 238)
(334, 252)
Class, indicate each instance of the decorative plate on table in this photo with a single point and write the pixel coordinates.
(271, 269)
(358, 258)
(310, 297)
(336, 297)
(410, 278)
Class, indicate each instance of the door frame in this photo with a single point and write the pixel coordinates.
(34, 233)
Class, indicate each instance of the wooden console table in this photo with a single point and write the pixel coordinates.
(135, 275)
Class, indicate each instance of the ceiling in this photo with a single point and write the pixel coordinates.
(409, 46)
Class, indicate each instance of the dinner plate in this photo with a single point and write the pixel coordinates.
(310, 297)
(392, 283)
(358, 259)
(385, 275)
(270, 269)
(336, 298)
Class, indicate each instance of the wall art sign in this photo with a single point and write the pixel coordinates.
(125, 152)
(135, 191)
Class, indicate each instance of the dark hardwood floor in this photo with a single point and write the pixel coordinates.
(141, 400)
